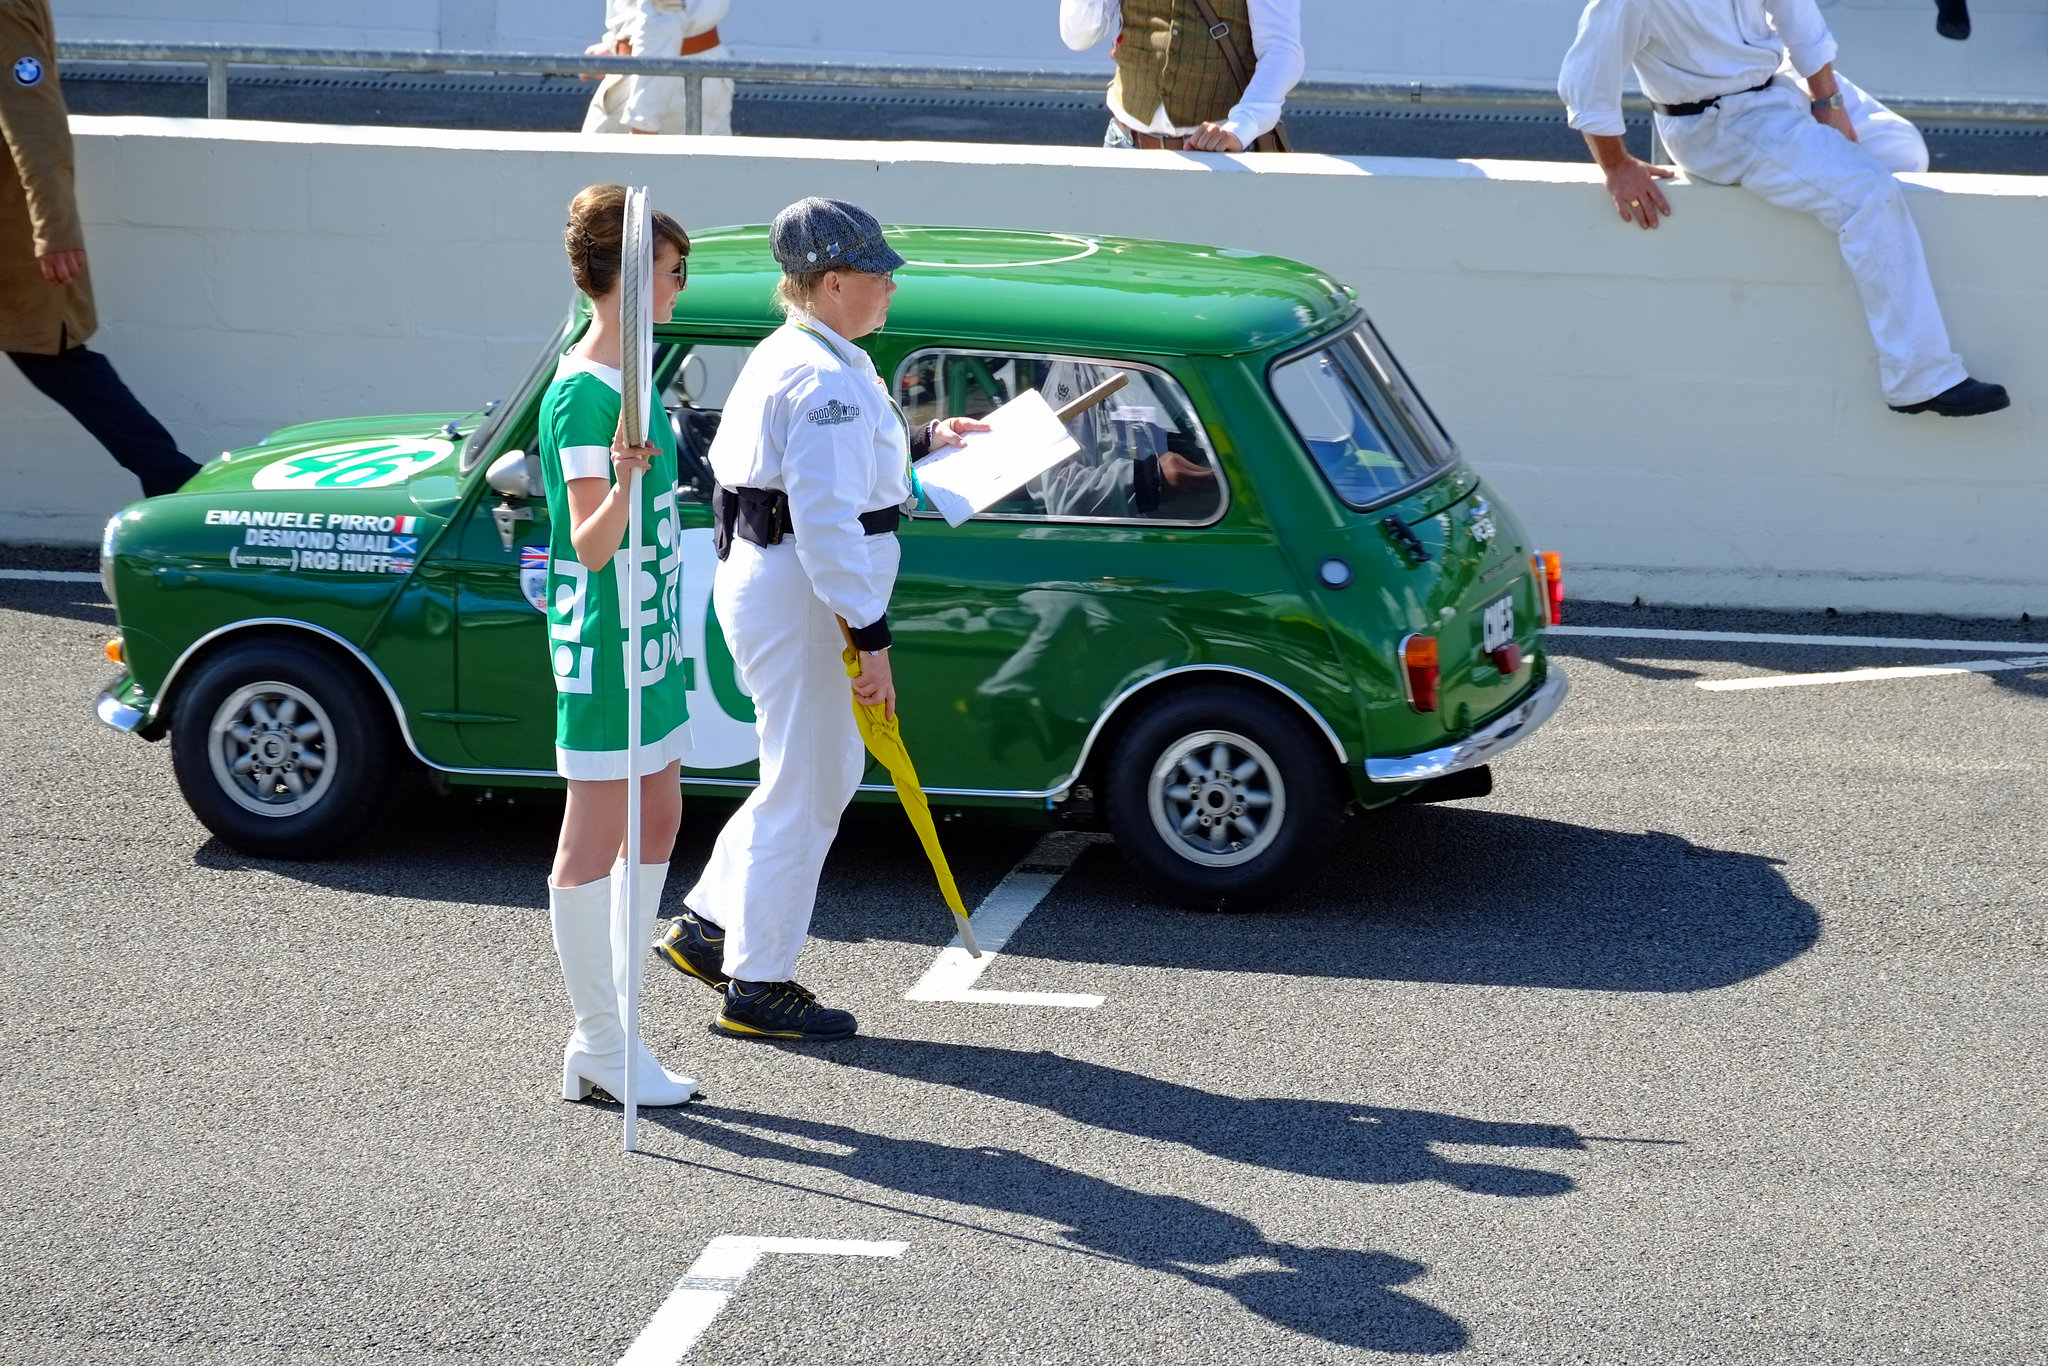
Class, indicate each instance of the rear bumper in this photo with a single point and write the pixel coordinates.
(1477, 748)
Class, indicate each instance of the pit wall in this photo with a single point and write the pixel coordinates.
(1889, 46)
(1691, 416)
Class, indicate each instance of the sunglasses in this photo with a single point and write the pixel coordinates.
(681, 274)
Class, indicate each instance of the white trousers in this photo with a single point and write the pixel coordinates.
(1769, 143)
(654, 104)
(762, 880)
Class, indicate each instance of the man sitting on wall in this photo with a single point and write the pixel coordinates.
(1205, 75)
(1726, 81)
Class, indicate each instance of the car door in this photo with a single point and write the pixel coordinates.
(1016, 629)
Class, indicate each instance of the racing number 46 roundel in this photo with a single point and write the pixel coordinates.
(353, 465)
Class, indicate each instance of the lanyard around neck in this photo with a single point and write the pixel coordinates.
(826, 342)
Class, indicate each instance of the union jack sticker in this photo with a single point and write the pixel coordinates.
(533, 575)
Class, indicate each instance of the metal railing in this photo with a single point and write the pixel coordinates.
(218, 57)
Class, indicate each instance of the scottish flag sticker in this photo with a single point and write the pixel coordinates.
(27, 71)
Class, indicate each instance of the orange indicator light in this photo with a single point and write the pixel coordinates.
(114, 651)
(1419, 670)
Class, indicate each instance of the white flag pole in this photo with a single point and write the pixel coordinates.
(636, 350)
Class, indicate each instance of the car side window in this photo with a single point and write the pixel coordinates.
(1144, 456)
(699, 378)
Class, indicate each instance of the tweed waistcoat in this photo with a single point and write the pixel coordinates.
(1166, 56)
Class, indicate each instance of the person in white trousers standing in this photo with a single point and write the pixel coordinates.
(654, 104)
(813, 460)
(1746, 94)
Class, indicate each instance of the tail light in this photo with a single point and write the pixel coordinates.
(1548, 569)
(1419, 670)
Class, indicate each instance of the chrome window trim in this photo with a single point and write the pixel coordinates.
(1352, 321)
(1215, 461)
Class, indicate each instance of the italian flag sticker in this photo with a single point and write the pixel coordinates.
(405, 526)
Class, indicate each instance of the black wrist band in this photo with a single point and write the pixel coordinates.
(874, 636)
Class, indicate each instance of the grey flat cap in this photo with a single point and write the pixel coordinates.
(830, 234)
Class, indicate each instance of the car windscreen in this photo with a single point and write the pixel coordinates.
(1365, 424)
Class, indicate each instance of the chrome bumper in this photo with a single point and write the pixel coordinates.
(119, 714)
(1479, 747)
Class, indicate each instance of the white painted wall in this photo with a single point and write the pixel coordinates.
(1889, 46)
(1691, 415)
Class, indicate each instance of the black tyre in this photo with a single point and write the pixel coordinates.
(1222, 796)
(280, 751)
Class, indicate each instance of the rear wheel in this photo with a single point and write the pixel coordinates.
(1222, 796)
(279, 751)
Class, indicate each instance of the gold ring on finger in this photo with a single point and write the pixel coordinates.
(1635, 203)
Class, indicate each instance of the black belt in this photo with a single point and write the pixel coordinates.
(762, 516)
(1686, 111)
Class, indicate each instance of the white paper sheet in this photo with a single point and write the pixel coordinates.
(1024, 440)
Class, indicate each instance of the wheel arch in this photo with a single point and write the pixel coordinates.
(1120, 712)
(287, 629)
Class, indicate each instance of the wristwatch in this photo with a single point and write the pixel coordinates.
(1833, 101)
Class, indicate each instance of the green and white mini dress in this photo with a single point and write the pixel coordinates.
(587, 642)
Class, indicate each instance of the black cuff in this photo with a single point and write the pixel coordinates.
(921, 440)
(874, 636)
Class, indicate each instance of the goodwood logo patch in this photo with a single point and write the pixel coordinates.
(832, 414)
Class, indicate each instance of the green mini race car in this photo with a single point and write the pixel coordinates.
(1267, 586)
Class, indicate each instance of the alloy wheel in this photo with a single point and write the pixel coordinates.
(272, 749)
(1216, 798)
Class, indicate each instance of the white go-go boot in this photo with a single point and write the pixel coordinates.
(594, 969)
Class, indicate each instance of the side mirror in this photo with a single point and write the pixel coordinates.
(515, 474)
(512, 476)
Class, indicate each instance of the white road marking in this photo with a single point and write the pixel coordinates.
(1765, 638)
(953, 976)
(711, 1281)
(1967, 666)
(50, 575)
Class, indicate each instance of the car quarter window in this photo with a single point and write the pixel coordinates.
(700, 376)
(1351, 406)
(1144, 456)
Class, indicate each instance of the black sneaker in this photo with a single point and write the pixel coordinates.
(695, 948)
(779, 1010)
(1952, 19)
(1971, 398)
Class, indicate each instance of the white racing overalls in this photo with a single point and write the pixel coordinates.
(809, 416)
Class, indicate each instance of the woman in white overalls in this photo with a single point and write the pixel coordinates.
(813, 465)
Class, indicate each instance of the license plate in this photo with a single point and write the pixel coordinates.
(1497, 624)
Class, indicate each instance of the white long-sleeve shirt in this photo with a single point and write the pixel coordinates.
(1276, 46)
(810, 415)
(1684, 51)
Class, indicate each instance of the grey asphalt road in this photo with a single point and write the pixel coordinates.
(1714, 1035)
(558, 102)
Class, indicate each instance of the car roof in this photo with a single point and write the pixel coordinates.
(1037, 289)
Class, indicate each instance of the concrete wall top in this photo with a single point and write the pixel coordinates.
(1691, 415)
(1889, 46)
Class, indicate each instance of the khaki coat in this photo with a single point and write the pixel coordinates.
(38, 208)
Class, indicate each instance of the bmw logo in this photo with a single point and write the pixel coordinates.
(28, 71)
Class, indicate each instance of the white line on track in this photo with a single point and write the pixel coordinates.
(711, 1281)
(1765, 638)
(50, 575)
(1966, 666)
(953, 976)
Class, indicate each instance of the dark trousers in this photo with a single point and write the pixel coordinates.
(84, 385)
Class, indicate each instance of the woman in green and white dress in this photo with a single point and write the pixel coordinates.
(584, 462)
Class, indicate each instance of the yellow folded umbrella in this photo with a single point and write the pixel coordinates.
(884, 739)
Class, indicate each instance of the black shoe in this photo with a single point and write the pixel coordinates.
(1952, 19)
(779, 1010)
(695, 948)
(1968, 399)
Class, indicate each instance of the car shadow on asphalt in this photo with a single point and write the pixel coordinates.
(1340, 1295)
(1442, 893)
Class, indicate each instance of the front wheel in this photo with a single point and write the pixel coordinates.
(279, 752)
(1222, 796)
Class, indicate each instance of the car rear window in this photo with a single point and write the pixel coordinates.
(1365, 424)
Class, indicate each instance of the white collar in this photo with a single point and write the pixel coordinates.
(573, 364)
